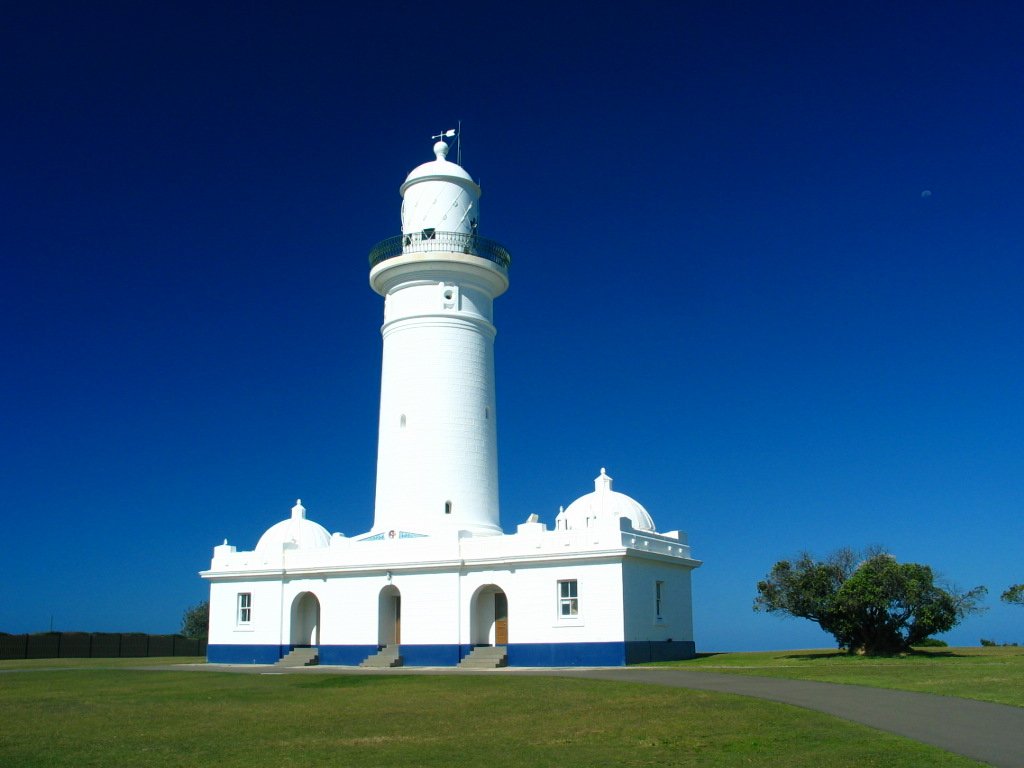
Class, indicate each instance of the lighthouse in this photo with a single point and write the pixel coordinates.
(436, 581)
(437, 453)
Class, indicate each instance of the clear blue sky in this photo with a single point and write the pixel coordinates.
(767, 269)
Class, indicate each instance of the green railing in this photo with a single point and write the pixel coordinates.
(429, 241)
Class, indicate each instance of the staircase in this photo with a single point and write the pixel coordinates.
(486, 657)
(300, 657)
(387, 656)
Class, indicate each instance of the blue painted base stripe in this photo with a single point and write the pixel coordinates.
(642, 651)
(430, 655)
(346, 655)
(609, 654)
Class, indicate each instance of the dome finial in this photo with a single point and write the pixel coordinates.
(602, 482)
(440, 148)
(298, 511)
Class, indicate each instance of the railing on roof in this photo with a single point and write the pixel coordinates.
(433, 241)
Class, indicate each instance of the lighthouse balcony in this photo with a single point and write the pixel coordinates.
(434, 241)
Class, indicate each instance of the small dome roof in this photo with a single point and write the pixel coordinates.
(440, 169)
(297, 531)
(605, 504)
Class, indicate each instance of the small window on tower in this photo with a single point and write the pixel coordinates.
(659, 595)
(487, 412)
(447, 507)
(428, 234)
(401, 421)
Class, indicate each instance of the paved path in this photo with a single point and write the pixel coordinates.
(991, 733)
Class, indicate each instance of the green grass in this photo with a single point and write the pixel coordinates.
(94, 717)
(989, 674)
(144, 661)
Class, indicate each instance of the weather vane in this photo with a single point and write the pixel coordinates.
(457, 133)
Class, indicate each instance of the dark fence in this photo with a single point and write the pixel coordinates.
(85, 645)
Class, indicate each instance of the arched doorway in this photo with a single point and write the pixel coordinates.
(389, 616)
(305, 620)
(489, 616)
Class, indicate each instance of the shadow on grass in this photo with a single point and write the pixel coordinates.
(912, 654)
(938, 654)
(816, 655)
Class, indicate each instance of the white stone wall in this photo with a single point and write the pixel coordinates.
(429, 607)
(639, 576)
(437, 434)
(437, 608)
(533, 601)
(266, 625)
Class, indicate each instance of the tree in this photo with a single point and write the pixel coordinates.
(1014, 595)
(870, 603)
(195, 622)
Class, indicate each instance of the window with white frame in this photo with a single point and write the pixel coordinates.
(659, 598)
(568, 599)
(244, 607)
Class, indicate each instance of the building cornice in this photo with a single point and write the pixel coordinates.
(501, 561)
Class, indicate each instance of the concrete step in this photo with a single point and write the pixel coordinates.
(486, 657)
(487, 653)
(387, 656)
(300, 657)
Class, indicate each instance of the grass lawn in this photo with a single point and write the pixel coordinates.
(989, 674)
(121, 717)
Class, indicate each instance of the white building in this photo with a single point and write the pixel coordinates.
(436, 578)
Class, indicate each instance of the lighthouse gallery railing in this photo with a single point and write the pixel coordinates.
(432, 241)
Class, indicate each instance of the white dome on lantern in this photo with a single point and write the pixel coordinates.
(604, 504)
(439, 196)
(441, 169)
(297, 532)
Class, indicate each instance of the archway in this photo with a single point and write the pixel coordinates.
(305, 620)
(488, 616)
(389, 616)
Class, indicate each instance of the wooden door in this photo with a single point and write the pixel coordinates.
(500, 619)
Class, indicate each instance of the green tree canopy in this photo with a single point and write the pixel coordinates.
(870, 603)
(1014, 595)
(195, 622)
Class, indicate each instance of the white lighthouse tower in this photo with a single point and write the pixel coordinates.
(437, 456)
(436, 581)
